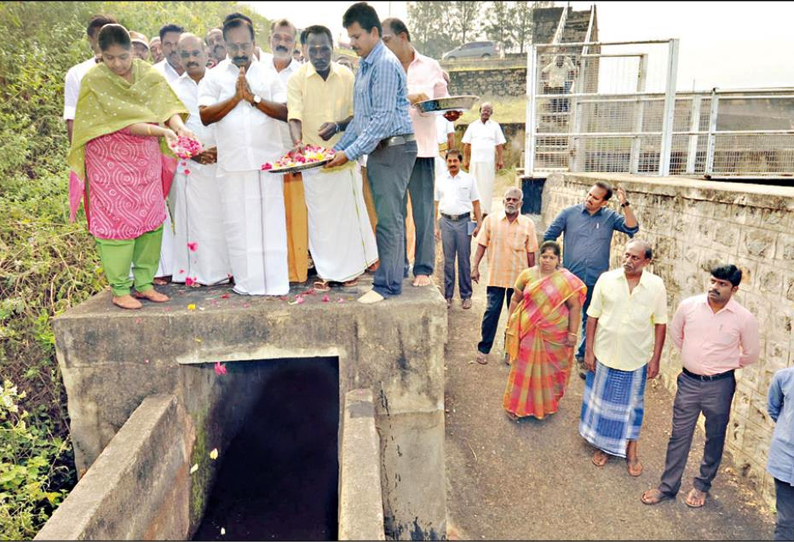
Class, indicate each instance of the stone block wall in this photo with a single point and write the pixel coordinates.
(488, 81)
(693, 225)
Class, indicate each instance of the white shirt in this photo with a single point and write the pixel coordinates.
(167, 70)
(283, 76)
(456, 194)
(246, 137)
(71, 90)
(558, 75)
(483, 139)
(443, 127)
(187, 90)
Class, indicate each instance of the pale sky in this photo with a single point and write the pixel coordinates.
(725, 44)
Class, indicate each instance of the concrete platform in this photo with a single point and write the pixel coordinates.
(112, 360)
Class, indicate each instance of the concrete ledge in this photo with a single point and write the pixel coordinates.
(360, 502)
(138, 488)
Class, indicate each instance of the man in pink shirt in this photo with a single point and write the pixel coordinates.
(425, 82)
(716, 336)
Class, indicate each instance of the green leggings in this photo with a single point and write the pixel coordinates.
(143, 253)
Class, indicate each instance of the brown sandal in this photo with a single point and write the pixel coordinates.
(600, 458)
(321, 286)
(654, 496)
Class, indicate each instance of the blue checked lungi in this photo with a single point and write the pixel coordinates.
(612, 408)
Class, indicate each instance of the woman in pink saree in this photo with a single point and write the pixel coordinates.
(541, 333)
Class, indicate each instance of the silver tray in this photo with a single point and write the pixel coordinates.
(450, 103)
(301, 167)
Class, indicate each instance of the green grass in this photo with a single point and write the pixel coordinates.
(505, 110)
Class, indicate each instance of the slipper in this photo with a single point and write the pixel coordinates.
(371, 297)
(690, 495)
(512, 416)
(481, 358)
(657, 497)
(350, 283)
(602, 460)
(321, 286)
(634, 468)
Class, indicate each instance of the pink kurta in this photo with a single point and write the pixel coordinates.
(125, 185)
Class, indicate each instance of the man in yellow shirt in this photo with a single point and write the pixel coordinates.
(626, 326)
(320, 105)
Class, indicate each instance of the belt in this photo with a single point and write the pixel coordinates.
(455, 218)
(704, 378)
(395, 140)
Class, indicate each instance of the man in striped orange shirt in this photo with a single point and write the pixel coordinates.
(512, 243)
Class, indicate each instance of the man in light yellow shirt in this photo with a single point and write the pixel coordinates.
(320, 106)
(626, 326)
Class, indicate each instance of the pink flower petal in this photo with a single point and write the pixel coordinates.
(187, 172)
(220, 370)
(225, 296)
(192, 247)
(326, 299)
(189, 281)
(246, 305)
(181, 271)
(341, 300)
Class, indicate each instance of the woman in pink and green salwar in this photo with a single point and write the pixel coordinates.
(122, 164)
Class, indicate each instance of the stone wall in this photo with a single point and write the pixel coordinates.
(692, 225)
(488, 82)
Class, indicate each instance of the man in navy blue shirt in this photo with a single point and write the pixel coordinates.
(588, 231)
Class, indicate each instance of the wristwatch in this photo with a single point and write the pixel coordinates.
(256, 101)
(625, 204)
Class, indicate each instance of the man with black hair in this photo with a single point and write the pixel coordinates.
(75, 74)
(381, 128)
(171, 67)
(588, 231)
(245, 102)
(217, 47)
(716, 336)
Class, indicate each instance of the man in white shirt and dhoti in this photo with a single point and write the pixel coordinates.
(320, 105)
(200, 254)
(245, 103)
(483, 144)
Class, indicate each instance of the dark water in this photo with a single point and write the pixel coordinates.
(279, 476)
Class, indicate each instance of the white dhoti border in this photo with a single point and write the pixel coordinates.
(485, 173)
(340, 235)
(198, 218)
(256, 231)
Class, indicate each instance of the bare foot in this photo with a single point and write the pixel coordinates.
(153, 296)
(600, 458)
(162, 281)
(422, 280)
(696, 498)
(126, 302)
(634, 466)
(481, 358)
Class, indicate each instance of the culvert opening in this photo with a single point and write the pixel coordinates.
(279, 476)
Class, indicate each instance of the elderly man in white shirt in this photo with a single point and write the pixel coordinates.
(171, 67)
(456, 197)
(281, 65)
(200, 254)
(74, 76)
(481, 139)
(246, 103)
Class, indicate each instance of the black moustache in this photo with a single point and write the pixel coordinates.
(280, 48)
(241, 59)
(192, 64)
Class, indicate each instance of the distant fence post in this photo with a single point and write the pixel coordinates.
(529, 143)
(669, 109)
(711, 142)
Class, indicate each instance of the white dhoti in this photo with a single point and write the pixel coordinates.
(340, 235)
(199, 238)
(440, 164)
(256, 231)
(485, 173)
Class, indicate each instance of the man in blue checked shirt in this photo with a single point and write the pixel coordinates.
(780, 463)
(588, 231)
(381, 128)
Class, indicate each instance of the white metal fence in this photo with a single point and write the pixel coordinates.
(612, 107)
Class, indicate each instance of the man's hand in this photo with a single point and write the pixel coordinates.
(243, 91)
(452, 116)
(417, 97)
(299, 146)
(475, 275)
(653, 368)
(327, 130)
(476, 231)
(589, 361)
(208, 156)
(499, 166)
(621, 195)
(340, 159)
(466, 165)
(438, 233)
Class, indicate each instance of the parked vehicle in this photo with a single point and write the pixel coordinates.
(474, 49)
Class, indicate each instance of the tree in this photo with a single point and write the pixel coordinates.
(523, 23)
(464, 20)
(499, 24)
(430, 31)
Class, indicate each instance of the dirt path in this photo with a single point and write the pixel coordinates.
(534, 479)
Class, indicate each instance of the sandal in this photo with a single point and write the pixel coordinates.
(634, 467)
(350, 283)
(321, 286)
(600, 458)
(654, 496)
(694, 493)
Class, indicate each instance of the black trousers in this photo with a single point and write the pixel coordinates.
(490, 320)
(784, 526)
(693, 396)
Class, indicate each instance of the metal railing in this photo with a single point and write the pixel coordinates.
(612, 107)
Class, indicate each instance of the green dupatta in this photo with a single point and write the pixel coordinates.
(108, 103)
